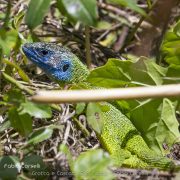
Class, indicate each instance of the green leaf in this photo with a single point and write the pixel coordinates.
(79, 10)
(9, 167)
(80, 108)
(63, 148)
(34, 166)
(103, 25)
(173, 75)
(20, 122)
(5, 125)
(111, 74)
(36, 12)
(171, 45)
(18, 19)
(155, 71)
(36, 110)
(117, 73)
(122, 105)
(14, 96)
(156, 121)
(40, 135)
(21, 73)
(94, 116)
(8, 40)
(109, 40)
(129, 4)
(104, 107)
(168, 126)
(93, 164)
(176, 29)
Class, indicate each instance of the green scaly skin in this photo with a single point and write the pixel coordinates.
(119, 136)
(119, 133)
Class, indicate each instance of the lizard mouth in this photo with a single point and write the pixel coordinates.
(33, 56)
(28, 51)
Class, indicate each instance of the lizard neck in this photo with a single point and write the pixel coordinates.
(81, 72)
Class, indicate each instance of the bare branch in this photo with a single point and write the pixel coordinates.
(106, 94)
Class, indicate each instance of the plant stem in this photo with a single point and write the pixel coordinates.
(149, 3)
(16, 83)
(87, 45)
(24, 88)
(81, 128)
(8, 12)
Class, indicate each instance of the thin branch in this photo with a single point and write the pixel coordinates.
(134, 31)
(151, 37)
(116, 10)
(149, 3)
(107, 94)
(121, 40)
(17, 84)
(113, 28)
(24, 88)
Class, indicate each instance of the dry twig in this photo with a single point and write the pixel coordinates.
(107, 94)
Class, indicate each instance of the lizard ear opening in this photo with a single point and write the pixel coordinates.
(65, 67)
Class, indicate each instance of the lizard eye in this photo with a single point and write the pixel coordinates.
(44, 52)
(65, 67)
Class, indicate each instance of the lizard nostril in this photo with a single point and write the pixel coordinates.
(65, 67)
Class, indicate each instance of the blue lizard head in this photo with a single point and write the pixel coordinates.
(58, 62)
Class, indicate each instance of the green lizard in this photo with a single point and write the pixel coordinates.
(119, 136)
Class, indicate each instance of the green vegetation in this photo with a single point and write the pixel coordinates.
(39, 140)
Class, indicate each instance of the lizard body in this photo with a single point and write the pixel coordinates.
(119, 136)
